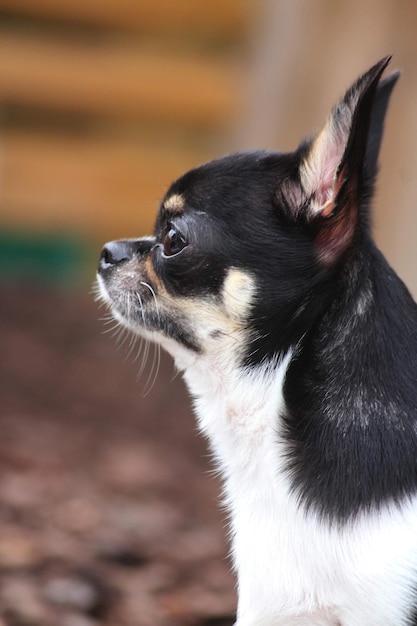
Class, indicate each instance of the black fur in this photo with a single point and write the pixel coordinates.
(352, 400)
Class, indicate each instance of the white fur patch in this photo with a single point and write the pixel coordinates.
(294, 569)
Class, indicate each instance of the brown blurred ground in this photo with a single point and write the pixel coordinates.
(107, 513)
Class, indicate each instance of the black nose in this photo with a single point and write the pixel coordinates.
(115, 252)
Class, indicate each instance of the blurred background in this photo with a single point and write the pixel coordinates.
(103, 103)
(107, 515)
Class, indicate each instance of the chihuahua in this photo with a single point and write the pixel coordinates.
(298, 343)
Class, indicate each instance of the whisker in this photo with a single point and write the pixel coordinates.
(108, 317)
(139, 349)
(142, 311)
(109, 323)
(134, 305)
(154, 370)
(95, 291)
(145, 357)
(153, 295)
(131, 346)
(128, 305)
(115, 327)
(121, 335)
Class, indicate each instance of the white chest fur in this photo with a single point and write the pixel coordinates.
(293, 569)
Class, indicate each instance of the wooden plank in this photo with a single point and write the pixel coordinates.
(224, 17)
(121, 80)
(105, 188)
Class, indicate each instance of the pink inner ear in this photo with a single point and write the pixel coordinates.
(327, 207)
(327, 186)
(318, 174)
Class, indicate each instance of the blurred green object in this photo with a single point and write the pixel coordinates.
(54, 258)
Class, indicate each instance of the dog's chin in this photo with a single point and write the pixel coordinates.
(120, 311)
(133, 322)
(130, 324)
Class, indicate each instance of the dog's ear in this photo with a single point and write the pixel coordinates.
(339, 165)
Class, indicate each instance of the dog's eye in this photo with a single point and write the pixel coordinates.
(173, 242)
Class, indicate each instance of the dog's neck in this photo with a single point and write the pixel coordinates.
(236, 407)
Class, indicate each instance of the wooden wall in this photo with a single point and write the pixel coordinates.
(304, 55)
(104, 102)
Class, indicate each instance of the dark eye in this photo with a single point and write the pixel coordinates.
(173, 242)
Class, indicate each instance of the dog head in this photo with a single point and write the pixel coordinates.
(249, 249)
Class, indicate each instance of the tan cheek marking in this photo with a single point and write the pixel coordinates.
(174, 204)
(237, 293)
(209, 321)
(153, 276)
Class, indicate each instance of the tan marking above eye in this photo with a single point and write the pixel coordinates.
(174, 204)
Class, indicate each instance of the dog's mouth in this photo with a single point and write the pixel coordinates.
(137, 309)
(136, 302)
